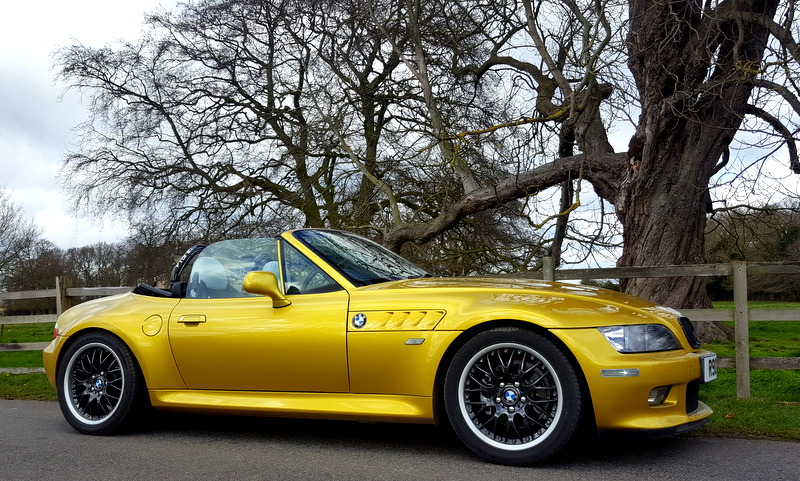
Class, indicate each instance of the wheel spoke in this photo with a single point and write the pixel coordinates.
(492, 418)
(505, 366)
(526, 420)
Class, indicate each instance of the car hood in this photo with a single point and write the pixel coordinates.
(550, 304)
(532, 286)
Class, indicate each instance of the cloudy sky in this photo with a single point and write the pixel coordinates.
(36, 117)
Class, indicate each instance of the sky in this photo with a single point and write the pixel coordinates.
(37, 117)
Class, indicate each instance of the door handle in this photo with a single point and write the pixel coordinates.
(192, 319)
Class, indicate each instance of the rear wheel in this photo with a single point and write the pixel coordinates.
(512, 396)
(99, 384)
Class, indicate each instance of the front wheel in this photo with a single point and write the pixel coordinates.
(99, 384)
(512, 396)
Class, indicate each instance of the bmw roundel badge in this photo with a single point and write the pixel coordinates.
(359, 320)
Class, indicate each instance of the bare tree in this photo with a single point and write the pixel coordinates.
(34, 267)
(766, 234)
(229, 115)
(410, 118)
(16, 233)
(206, 118)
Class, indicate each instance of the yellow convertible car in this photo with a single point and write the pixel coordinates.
(326, 324)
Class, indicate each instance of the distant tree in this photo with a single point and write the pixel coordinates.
(17, 234)
(767, 234)
(34, 268)
(150, 256)
(97, 265)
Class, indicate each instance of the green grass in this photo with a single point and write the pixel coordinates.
(21, 359)
(772, 411)
(767, 339)
(774, 407)
(759, 305)
(17, 333)
(22, 333)
(26, 386)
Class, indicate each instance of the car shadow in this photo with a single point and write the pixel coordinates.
(411, 439)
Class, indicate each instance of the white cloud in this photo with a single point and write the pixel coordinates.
(35, 124)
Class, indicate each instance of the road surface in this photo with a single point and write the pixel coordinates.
(36, 443)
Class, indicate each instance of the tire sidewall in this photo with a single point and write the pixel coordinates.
(567, 421)
(129, 398)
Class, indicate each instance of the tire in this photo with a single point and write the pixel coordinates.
(99, 384)
(513, 397)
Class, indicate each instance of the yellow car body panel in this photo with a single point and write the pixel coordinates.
(340, 406)
(471, 301)
(387, 363)
(246, 344)
(127, 316)
(620, 403)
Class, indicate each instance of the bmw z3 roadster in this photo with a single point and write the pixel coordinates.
(326, 324)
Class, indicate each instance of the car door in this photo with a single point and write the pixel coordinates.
(225, 339)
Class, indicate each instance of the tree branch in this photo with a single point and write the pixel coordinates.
(603, 171)
(794, 160)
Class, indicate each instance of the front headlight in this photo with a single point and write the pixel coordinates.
(640, 338)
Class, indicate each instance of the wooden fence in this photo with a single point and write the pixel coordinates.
(740, 315)
(65, 296)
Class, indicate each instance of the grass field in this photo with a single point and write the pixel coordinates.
(772, 411)
(26, 386)
(21, 333)
(767, 338)
(17, 333)
(20, 358)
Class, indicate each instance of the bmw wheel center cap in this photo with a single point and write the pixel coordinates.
(510, 396)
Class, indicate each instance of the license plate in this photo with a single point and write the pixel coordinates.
(708, 368)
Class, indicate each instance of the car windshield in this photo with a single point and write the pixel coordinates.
(362, 261)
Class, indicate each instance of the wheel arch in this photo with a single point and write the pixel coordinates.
(452, 349)
(75, 336)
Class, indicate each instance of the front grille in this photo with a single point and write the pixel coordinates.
(692, 396)
(688, 329)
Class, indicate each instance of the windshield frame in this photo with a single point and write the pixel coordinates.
(359, 260)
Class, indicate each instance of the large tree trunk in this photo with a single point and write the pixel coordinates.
(688, 69)
(664, 216)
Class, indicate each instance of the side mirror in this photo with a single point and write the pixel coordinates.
(265, 284)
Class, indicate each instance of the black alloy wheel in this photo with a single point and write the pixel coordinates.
(99, 384)
(512, 396)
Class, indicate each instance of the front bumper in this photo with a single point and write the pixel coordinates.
(653, 433)
(621, 402)
(49, 358)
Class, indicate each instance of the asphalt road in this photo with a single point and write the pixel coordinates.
(37, 444)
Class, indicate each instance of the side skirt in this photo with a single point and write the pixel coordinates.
(346, 406)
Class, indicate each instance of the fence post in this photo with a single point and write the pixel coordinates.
(63, 301)
(741, 319)
(548, 269)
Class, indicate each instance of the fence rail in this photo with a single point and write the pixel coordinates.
(740, 315)
(64, 295)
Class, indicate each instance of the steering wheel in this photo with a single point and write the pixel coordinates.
(307, 281)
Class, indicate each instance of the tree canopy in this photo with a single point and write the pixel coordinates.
(492, 132)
